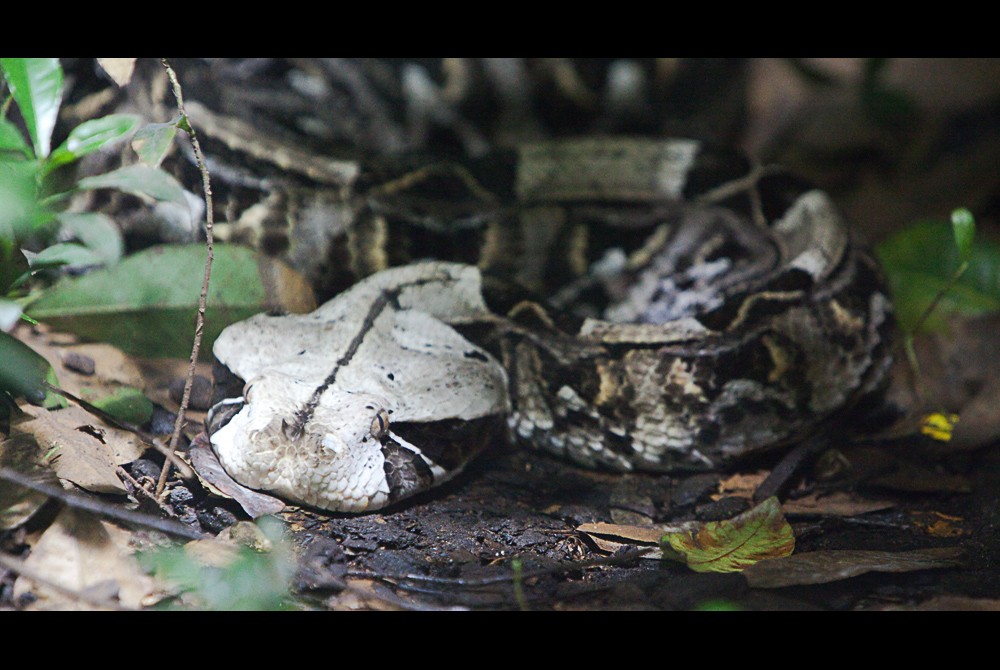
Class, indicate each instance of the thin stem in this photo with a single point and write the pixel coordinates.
(200, 323)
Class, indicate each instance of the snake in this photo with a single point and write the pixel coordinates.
(628, 305)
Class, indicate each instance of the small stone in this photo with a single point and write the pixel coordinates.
(216, 519)
(180, 494)
(201, 392)
(79, 363)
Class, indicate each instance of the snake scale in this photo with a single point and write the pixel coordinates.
(625, 304)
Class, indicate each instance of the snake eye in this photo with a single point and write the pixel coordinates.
(247, 391)
(380, 424)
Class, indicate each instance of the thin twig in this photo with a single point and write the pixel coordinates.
(200, 323)
(139, 488)
(79, 501)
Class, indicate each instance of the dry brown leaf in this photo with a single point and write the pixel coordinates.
(820, 567)
(634, 534)
(210, 471)
(119, 69)
(88, 452)
(740, 485)
(610, 537)
(838, 503)
(81, 553)
(17, 503)
(937, 524)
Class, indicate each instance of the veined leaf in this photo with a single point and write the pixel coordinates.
(733, 545)
(90, 136)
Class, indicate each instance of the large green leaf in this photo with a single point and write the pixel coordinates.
(147, 304)
(37, 86)
(921, 260)
(733, 545)
(90, 136)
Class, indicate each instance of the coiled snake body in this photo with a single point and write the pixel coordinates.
(697, 311)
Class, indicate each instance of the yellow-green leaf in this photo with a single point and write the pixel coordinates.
(734, 545)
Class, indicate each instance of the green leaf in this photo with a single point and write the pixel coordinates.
(129, 405)
(734, 545)
(922, 259)
(140, 180)
(12, 141)
(154, 141)
(963, 225)
(98, 233)
(91, 136)
(22, 370)
(37, 86)
(13, 266)
(66, 253)
(20, 212)
(250, 580)
(147, 304)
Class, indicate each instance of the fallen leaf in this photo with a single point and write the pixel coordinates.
(937, 524)
(837, 503)
(87, 452)
(820, 567)
(740, 485)
(254, 503)
(21, 454)
(731, 546)
(79, 552)
(640, 534)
